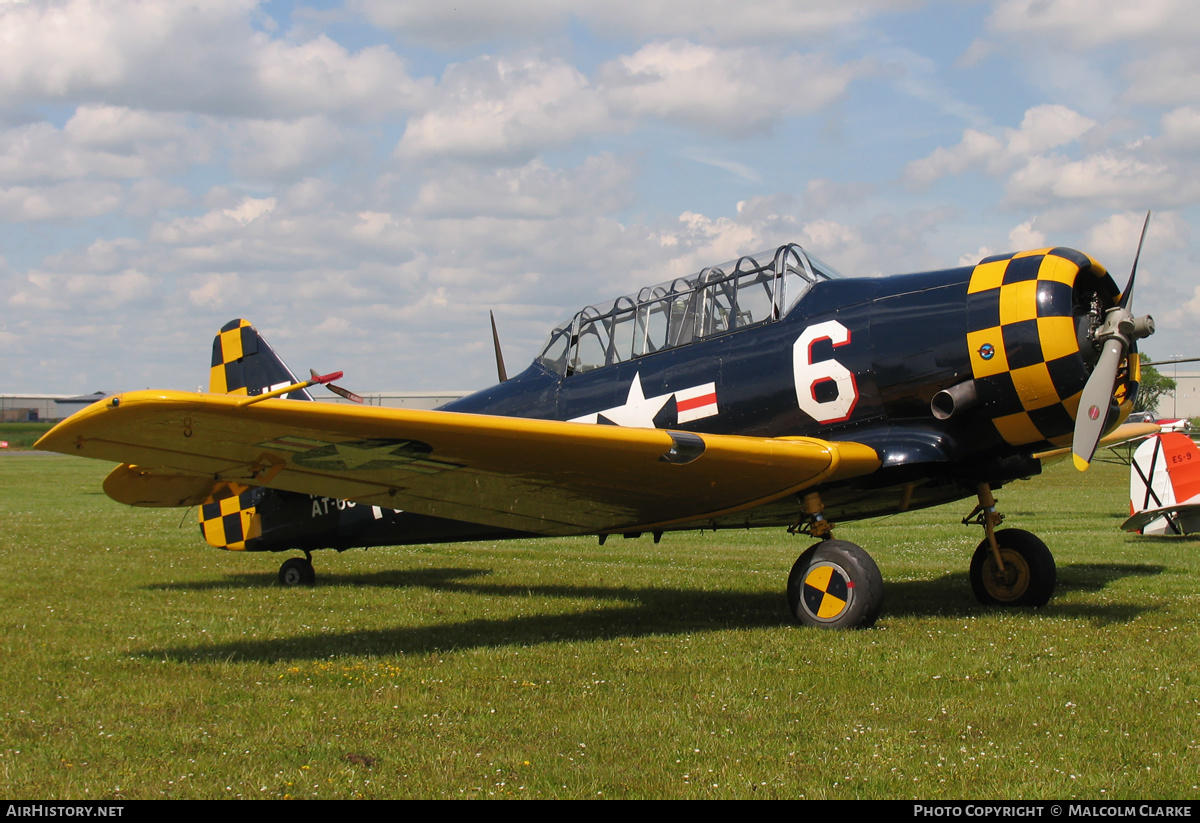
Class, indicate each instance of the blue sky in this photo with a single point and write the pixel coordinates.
(365, 180)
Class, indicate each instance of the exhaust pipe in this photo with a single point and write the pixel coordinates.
(951, 401)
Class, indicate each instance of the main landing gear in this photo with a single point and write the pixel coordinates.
(1011, 567)
(836, 585)
(298, 571)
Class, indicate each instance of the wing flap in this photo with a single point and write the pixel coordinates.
(543, 476)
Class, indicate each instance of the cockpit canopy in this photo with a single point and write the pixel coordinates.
(756, 288)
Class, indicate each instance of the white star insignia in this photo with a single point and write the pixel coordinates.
(637, 412)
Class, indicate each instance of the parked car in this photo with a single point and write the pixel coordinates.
(1169, 424)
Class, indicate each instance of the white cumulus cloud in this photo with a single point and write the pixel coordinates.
(505, 108)
(727, 91)
(601, 184)
(207, 57)
(1042, 128)
(1089, 23)
(110, 142)
(478, 21)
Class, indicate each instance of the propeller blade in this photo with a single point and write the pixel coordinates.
(1120, 329)
(1093, 403)
(1127, 296)
(501, 372)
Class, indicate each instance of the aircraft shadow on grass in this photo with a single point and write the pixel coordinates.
(637, 612)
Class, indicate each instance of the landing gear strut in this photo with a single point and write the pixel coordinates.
(1011, 567)
(835, 584)
(298, 571)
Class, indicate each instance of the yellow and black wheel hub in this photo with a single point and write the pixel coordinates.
(827, 591)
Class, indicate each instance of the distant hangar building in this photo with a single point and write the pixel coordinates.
(51, 408)
(44, 408)
(1185, 400)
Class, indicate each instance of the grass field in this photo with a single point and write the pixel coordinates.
(22, 435)
(140, 664)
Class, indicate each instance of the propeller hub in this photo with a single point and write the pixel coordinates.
(1118, 324)
(1115, 339)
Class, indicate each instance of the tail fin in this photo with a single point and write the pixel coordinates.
(243, 363)
(1164, 485)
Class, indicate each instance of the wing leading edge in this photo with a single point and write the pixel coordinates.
(542, 476)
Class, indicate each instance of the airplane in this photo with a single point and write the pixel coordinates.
(1164, 486)
(769, 391)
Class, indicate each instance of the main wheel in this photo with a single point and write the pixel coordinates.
(1029, 573)
(297, 572)
(835, 585)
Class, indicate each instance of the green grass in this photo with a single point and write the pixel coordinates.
(139, 663)
(22, 436)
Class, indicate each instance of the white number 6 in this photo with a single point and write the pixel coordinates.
(809, 375)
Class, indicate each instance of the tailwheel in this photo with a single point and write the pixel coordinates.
(835, 585)
(1027, 578)
(297, 572)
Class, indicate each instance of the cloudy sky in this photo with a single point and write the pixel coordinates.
(364, 180)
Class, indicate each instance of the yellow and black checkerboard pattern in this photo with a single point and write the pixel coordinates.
(236, 340)
(826, 591)
(1023, 341)
(228, 520)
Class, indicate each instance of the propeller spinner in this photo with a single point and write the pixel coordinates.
(1116, 337)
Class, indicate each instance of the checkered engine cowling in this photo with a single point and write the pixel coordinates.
(1026, 315)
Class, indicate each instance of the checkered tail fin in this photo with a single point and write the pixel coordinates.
(243, 363)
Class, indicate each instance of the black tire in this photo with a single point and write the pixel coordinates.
(1029, 571)
(297, 572)
(835, 585)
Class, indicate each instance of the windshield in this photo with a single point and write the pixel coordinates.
(756, 288)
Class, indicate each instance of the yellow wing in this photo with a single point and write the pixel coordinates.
(542, 476)
(1122, 434)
